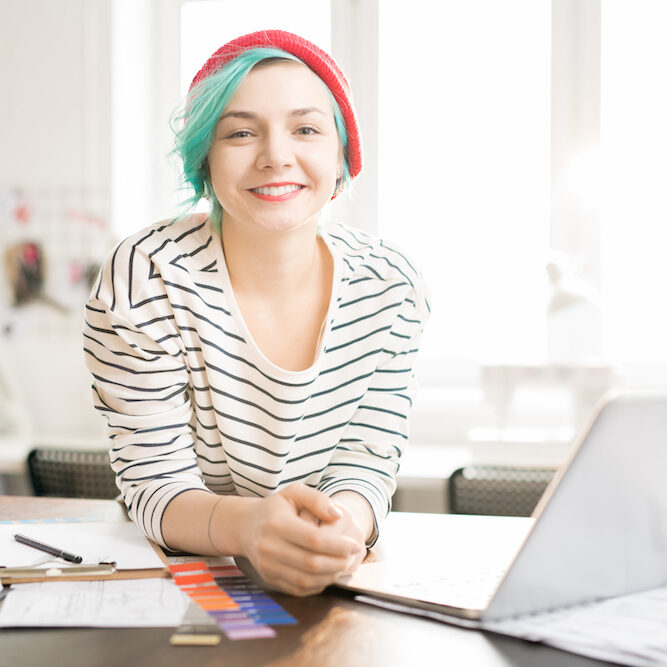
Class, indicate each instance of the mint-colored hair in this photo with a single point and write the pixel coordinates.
(199, 115)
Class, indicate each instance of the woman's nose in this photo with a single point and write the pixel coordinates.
(275, 151)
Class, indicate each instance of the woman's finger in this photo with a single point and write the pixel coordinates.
(297, 581)
(346, 526)
(318, 503)
(275, 549)
(309, 537)
(311, 563)
(291, 589)
(307, 515)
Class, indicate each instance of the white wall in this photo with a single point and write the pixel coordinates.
(55, 82)
(55, 146)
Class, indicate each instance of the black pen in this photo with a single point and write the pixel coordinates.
(54, 551)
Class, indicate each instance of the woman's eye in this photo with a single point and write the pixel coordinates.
(239, 134)
(306, 131)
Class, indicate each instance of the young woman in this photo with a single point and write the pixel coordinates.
(254, 364)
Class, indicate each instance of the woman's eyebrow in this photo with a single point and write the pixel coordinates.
(305, 111)
(249, 115)
(237, 114)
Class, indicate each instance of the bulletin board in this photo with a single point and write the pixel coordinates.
(53, 243)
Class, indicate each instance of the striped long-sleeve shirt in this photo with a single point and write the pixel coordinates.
(192, 403)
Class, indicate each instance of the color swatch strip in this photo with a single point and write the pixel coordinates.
(241, 609)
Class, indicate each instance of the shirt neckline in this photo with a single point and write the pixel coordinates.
(259, 357)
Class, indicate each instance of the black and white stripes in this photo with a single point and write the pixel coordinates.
(192, 403)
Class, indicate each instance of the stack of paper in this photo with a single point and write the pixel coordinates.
(628, 630)
(125, 603)
(147, 599)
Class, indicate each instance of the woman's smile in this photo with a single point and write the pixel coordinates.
(277, 191)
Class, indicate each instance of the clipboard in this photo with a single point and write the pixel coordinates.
(125, 568)
(89, 572)
(20, 575)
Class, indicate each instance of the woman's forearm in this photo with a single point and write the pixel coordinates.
(205, 523)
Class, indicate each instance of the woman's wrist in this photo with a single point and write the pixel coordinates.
(231, 525)
(206, 523)
(210, 523)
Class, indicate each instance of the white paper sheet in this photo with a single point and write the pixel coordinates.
(130, 603)
(628, 630)
(631, 629)
(120, 542)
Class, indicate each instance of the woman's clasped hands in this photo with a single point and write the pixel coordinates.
(300, 540)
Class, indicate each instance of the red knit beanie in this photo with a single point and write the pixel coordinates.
(320, 62)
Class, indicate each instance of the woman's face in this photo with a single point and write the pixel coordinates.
(276, 153)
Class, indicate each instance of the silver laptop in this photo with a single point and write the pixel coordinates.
(599, 531)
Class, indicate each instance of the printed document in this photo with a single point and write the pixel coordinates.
(132, 603)
(628, 630)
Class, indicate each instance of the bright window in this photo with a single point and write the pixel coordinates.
(464, 127)
(634, 180)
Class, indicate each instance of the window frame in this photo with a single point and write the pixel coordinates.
(575, 123)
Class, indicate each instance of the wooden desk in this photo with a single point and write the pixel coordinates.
(333, 630)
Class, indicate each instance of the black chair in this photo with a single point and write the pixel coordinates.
(71, 473)
(497, 490)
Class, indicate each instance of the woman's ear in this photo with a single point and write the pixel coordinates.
(339, 161)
